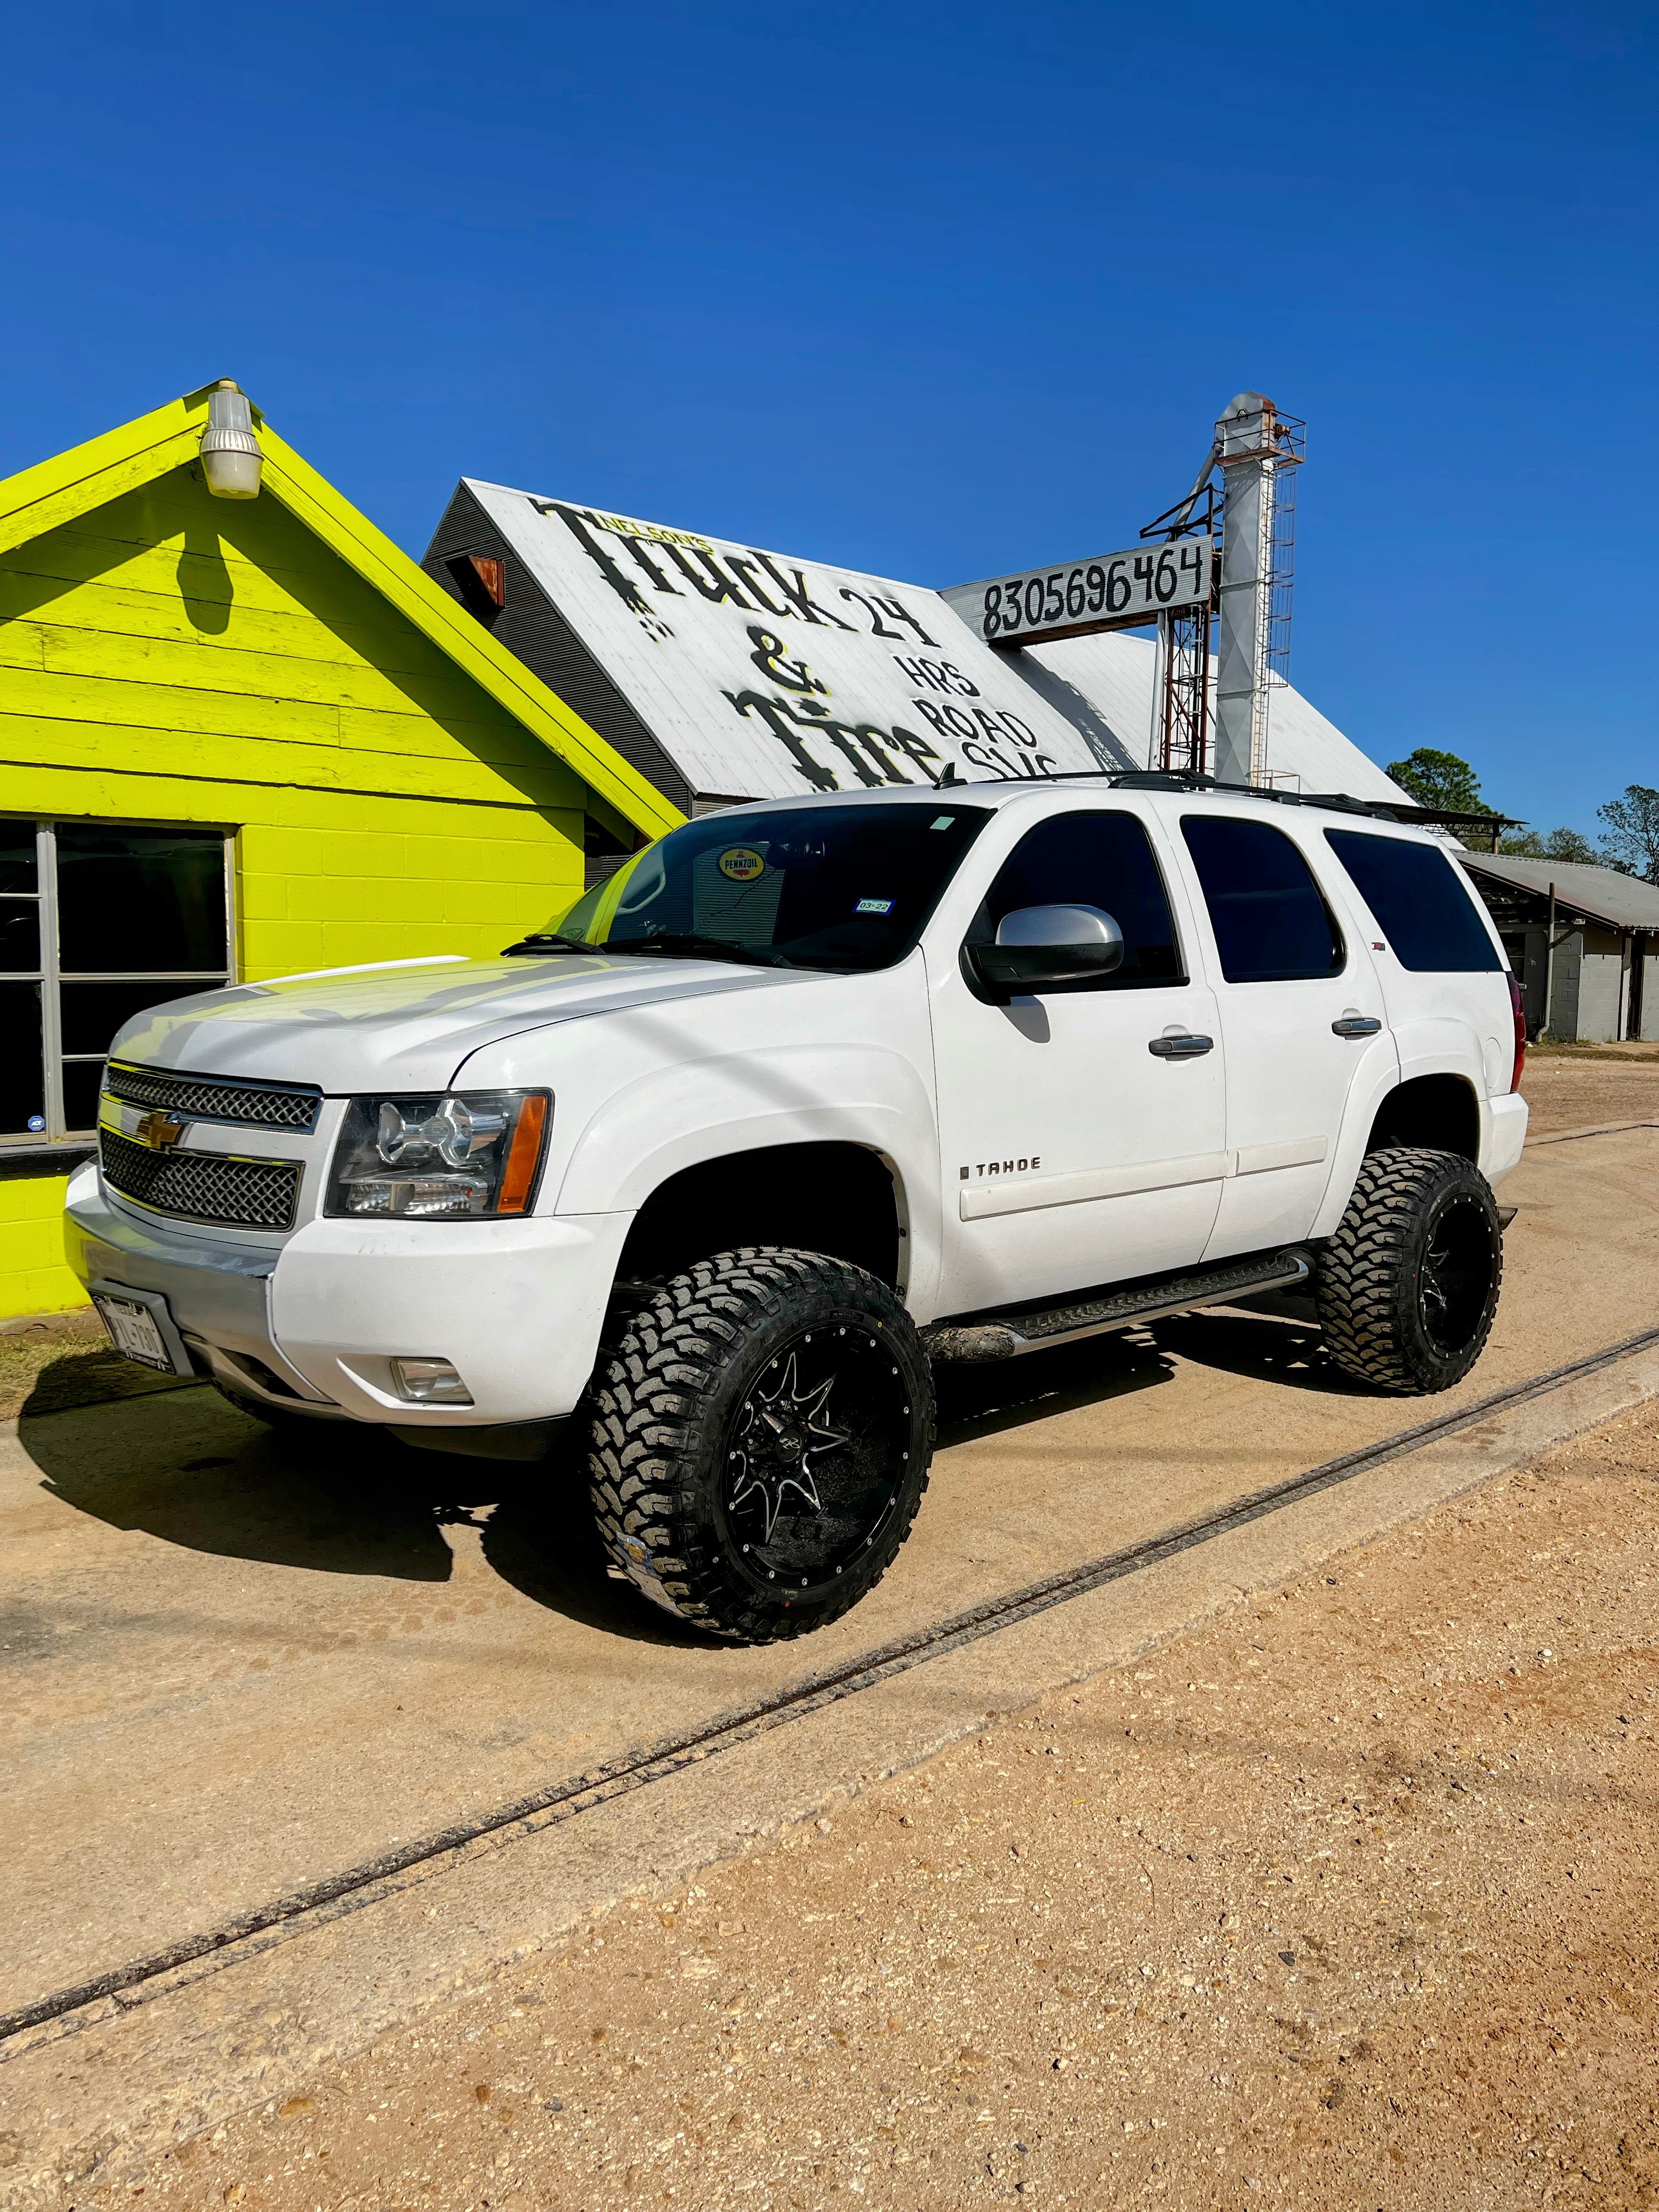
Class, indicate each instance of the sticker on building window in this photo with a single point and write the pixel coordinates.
(742, 864)
(873, 906)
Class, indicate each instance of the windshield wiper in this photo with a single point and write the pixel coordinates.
(548, 940)
(693, 945)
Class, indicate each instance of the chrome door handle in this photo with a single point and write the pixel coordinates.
(1181, 1048)
(1355, 1025)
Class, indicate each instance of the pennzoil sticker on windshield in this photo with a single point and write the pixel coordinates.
(742, 864)
(873, 906)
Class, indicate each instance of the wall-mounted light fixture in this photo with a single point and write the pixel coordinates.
(231, 459)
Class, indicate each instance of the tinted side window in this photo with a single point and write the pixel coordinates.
(1103, 860)
(1271, 923)
(1423, 904)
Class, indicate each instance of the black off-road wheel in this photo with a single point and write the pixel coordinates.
(760, 1442)
(1407, 1287)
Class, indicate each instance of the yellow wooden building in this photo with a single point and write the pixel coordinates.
(242, 737)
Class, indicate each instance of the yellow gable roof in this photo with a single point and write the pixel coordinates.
(71, 483)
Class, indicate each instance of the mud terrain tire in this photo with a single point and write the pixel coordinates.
(760, 1440)
(1407, 1287)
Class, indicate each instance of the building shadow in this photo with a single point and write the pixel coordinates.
(205, 586)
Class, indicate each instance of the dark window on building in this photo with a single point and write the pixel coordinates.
(480, 581)
(604, 852)
(1423, 906)
(98, 921)
(1103, 860)
(1270, 922)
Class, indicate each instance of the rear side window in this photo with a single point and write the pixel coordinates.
(1102, 860)
(1422, 904)
(1270, 922)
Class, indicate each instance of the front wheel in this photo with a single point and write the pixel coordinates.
(760, 1442)
(1407, 1287)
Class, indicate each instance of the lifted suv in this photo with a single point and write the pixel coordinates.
(807, 1098)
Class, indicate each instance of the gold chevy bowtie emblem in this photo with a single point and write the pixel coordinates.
(159, 1130)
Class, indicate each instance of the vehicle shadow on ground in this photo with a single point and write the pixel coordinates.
(1282, 1348)
(986, 1399)
(208, 1479)
(189, 1470)
(541, 1538)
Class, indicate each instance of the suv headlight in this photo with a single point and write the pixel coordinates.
(440, 1156)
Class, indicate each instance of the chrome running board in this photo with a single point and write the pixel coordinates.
(1005, 1336)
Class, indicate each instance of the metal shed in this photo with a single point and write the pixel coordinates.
(1584, 943)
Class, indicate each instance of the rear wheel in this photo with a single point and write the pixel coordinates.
(760, 1442)
(1407, 1287)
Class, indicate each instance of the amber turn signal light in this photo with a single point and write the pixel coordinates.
(523, 1155)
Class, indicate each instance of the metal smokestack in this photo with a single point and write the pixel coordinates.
(1257, 448)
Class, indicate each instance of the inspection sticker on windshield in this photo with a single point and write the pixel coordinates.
(742, 863)
(873, 906)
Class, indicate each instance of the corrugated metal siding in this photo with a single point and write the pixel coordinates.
(1111, 676)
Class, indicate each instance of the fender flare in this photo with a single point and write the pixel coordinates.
(692, 1113)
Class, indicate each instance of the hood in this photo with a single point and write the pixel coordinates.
(408, 1026)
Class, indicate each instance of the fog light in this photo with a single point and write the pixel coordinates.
(430, 1381)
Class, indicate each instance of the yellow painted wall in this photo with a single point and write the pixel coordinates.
(173, 658)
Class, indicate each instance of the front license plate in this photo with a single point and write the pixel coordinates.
(132, 1330)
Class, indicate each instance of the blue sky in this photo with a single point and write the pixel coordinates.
(934, 290)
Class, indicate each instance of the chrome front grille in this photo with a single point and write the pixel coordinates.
(216, 1186)
(215, 1097)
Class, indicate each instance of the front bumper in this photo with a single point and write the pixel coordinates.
(313, 1325)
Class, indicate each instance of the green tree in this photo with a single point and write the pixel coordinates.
(1438, 779)
(1631, 842)
(1559, 845)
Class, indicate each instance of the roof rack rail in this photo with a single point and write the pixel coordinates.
(1163, 779)
(1185, 779)
(1342, 802)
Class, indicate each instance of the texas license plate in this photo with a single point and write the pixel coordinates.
(133, 1331)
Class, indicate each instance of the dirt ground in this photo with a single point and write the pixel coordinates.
(1575, 1089)
(1351, 1899)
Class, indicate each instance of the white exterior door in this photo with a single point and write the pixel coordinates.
(1301, 1012)
(1082, 1136)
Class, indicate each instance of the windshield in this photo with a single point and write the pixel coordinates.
(844, 887)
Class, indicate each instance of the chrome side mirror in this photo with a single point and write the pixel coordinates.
(1046, 945)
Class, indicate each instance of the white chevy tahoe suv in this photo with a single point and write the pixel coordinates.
(807, 1097)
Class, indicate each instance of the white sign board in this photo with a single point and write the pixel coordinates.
(764, 676)
(1117, 591)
